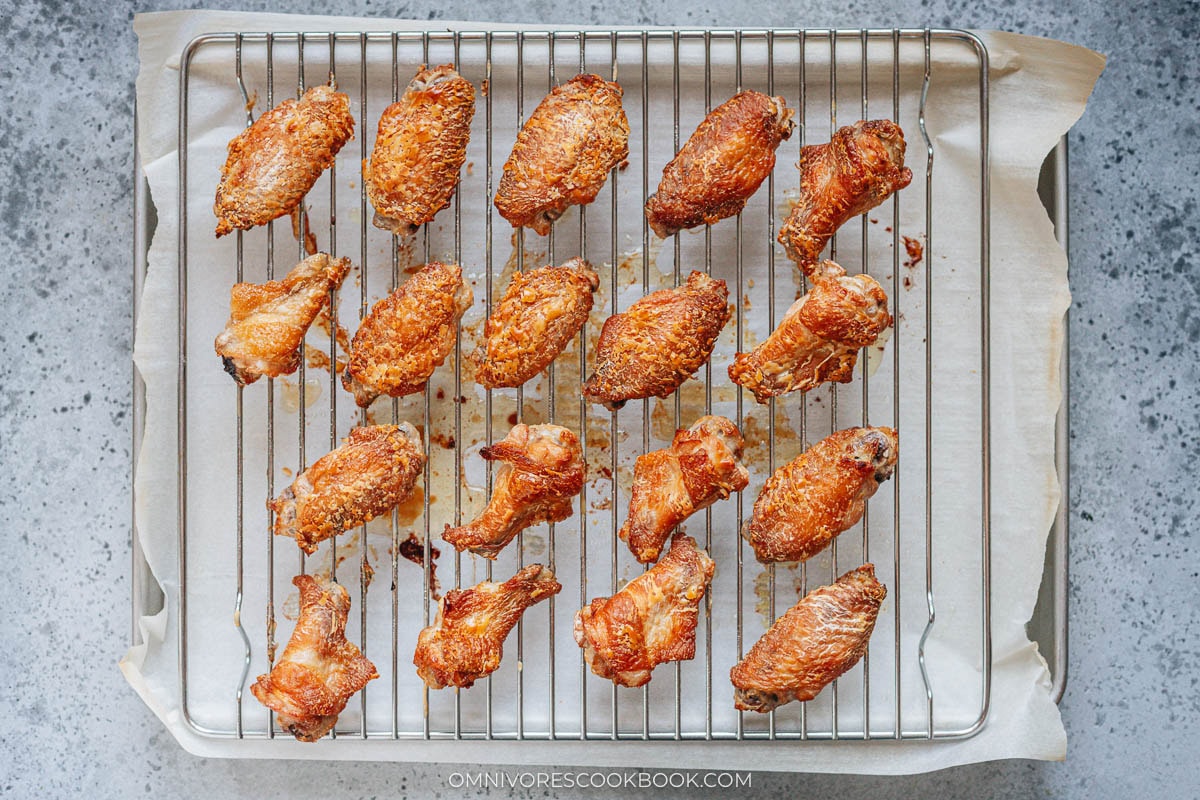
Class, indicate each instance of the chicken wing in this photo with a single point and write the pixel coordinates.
(319, 669)
(541, 312)
(419, 149)
(819, 337)
(818, 639)
(659, 342)
(723, 163)
(466, 642)
(273, 163)
(702, 465)
(857, 170)
(649, 622)
(374, 470)
(542, 470)
(564, 152)
(407, 335)
(820, 493)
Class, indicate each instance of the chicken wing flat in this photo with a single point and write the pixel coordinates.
(857, 170)
(723, 163)
(370, 473)
(541, 471)
(466, 642)
(702, 465)
(659, 342)
(319, 668)
(541, 312)
(273, 163)
(564, 152)
(408, 334)
(819, 337)
(817, 640)
(649, 622)
(419, 149)
(820, 493)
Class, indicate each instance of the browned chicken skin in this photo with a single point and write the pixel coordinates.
(419, 149)
(857, 170)
(564, 152)
(723, 163)
(466, 642)
(702, 465)
(408, 334)
(370, 473)
(273, 163)
(817, 640)
(542, 310)
(819, 337)
(659, 342)
(319, 669)
(820, 493)
(542, 470)
(649, 622)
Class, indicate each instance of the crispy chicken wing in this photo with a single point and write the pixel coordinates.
(408, 334)
(466, 642)
(370, 473)
(860, 168)
(273, 163)
(820, 493)
(654, 346)
(702, 465)
(319, 669)
(542, 470)
(649, 622)
(419, 149)
(819, 337)
(723, 163)
(564, 152)
(818, 639)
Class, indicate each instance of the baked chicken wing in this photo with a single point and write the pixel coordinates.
(659, 342)
(702, 465)
(419, 149)
(408, 334)
(564, 152)
(820, 493)
(819, 337)
(466, 642)
(723, 163)
(273, 163)
(541, 471)
(649, 622)
(817, 640)
(374, 470)
(857, 170)
(319, 668)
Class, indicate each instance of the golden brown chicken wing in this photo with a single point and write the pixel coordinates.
(723, 163)
(273, 163)
(857, 170)
(820, 493)
(370, 473)
(564, 152)
(419, 149)
(702, 465)
(542, 470)
(649, 622)
(408, 334)
(818, 639)
(659, 342)
(466, 642)
(319, 669)
(819, 337)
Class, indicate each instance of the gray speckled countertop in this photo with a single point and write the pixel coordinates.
(71, 724)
